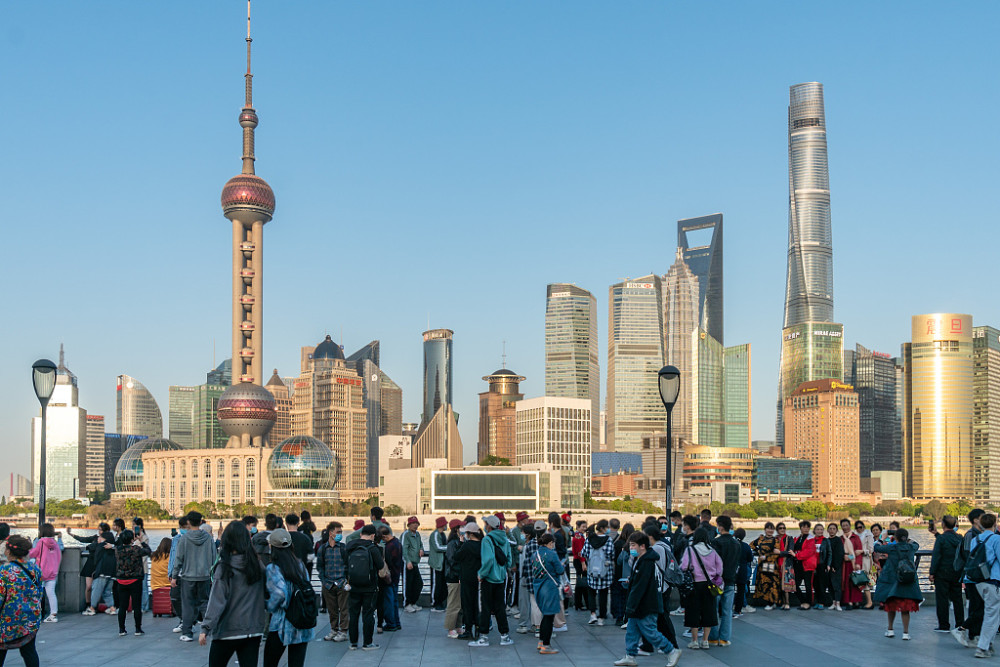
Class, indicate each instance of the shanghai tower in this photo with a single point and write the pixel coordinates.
(811, 343)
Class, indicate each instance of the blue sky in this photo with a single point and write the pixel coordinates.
(444, 161)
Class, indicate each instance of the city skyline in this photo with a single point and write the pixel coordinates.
(107, 337)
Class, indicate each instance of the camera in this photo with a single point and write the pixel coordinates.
(891, 533)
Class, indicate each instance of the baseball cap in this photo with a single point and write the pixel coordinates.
(491, 521)
(454, 523)
(412, 519)
(441, 522)
(279, 538)
(541, 526)
(566, 517)
(521, 516)
(471, 527)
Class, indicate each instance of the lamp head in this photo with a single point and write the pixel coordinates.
(670, 386)
(43, 377)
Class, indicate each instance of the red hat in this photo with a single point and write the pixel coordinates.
(412, 519)
(359, 524)
(566, 517)
(440, 522)
(521, 516)
(500, 516)
(455, 523)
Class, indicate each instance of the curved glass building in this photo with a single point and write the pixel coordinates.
(137, 411)
(302, 462)
(437, 371)
(128, 472)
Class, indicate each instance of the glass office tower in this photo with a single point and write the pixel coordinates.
(572, 368)
(938, 380)
(736, 394)
(635, 355)
(180, 408)
(437, 371)
(681, 314)
(809, 278)
(705, 260)
(873, 376)
(986, 414)
(720, 393)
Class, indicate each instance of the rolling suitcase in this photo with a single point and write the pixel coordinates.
(161, 602)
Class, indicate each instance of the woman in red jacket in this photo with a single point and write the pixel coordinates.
(805, 563)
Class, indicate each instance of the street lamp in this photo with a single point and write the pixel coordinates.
(670, 387)
(43, 377)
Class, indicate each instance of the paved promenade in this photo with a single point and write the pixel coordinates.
(813, 638)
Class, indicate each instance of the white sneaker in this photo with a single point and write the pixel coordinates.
(110, 611)
(453, 634)
(177, 629)
(51, 618)
(505, 640)
(960, 637)
(769, 607)
(88, 612)
(187, 638)
(694, 645)
(677, 612)
(673, 657)
(749, 610)
(522, 629)
(593, 619)
(687, 633)
(600, 621)
(890, 634)
(482, 641)
(627, 661)
(906, 636)
(340, 637)
(564, 628)
(642, 653)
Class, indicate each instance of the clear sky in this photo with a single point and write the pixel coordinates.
(442, 162)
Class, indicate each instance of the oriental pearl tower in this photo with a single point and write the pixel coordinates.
(246, 410)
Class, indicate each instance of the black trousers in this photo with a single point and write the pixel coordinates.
(28, 653)
(222, 650)
(469, 592)
(833, 585)
(592, 601)
(740, 598)
(439, 589)
(977, 608)
(175, 600)
(513, 588)
(361, 606)
(413, 584)
(274, 649)
(123, 593)
(580, 589)
(804, 579)
(492, 603)
(545, 629)
(948, 593)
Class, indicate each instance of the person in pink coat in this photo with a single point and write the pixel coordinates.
(47, 554)
(701, 612)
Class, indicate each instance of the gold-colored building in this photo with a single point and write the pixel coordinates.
(498, 415)
(704, 465)
(822, 425)
(328, 404)
(938, 408)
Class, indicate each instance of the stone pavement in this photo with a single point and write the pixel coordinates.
(813, 638)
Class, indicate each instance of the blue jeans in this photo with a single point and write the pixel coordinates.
(101, 590)
(145, 592)
(645, 628)
(724, 630)
(391, 607)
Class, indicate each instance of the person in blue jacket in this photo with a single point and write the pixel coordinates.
(546, 573)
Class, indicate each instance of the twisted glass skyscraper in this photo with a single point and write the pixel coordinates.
(811, 343)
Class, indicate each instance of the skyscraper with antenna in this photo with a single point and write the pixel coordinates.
(246, 409)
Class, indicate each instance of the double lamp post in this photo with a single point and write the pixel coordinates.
(669, 380)
(43, 377)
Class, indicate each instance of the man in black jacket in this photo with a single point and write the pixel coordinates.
(363, 588)
(967, 632)
(644, 604)
(729, 551)
(947, 582)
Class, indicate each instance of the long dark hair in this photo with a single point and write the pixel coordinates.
(163, 551)
(291, 567)
(236, 541)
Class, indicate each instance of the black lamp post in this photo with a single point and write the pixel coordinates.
(43, 377)
(670, 387)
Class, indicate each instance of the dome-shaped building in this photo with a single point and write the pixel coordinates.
(247, 409)
(302, 463)
(327, 350)
(128, 472)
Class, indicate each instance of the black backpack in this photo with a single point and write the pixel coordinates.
(302, 608)
(905, 572)
(360, 568)
(977, 569)
(499, 555)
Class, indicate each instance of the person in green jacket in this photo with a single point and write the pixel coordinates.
(435, 559)
(377, 513)
(413, 551)
(496, 555)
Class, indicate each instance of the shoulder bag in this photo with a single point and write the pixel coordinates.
(712, 588)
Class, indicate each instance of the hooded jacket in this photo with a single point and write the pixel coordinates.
(47, 554)
(644, 597)
(491, 571)
(194, 557)
(235, 606)
(704, 563)
(599, 580)
(730, 552)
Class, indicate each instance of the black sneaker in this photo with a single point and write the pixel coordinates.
(945, 630)
(370, 647)
(354, 647)
(122, 634)
(465, 635)
(139, 633)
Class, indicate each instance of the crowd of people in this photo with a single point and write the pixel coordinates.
(252, 586)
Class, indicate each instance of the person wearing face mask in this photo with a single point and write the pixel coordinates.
(546, 573)
(331, 566)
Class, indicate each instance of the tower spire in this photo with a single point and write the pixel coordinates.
(248, 117)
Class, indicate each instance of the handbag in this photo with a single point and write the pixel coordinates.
(859, 578)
